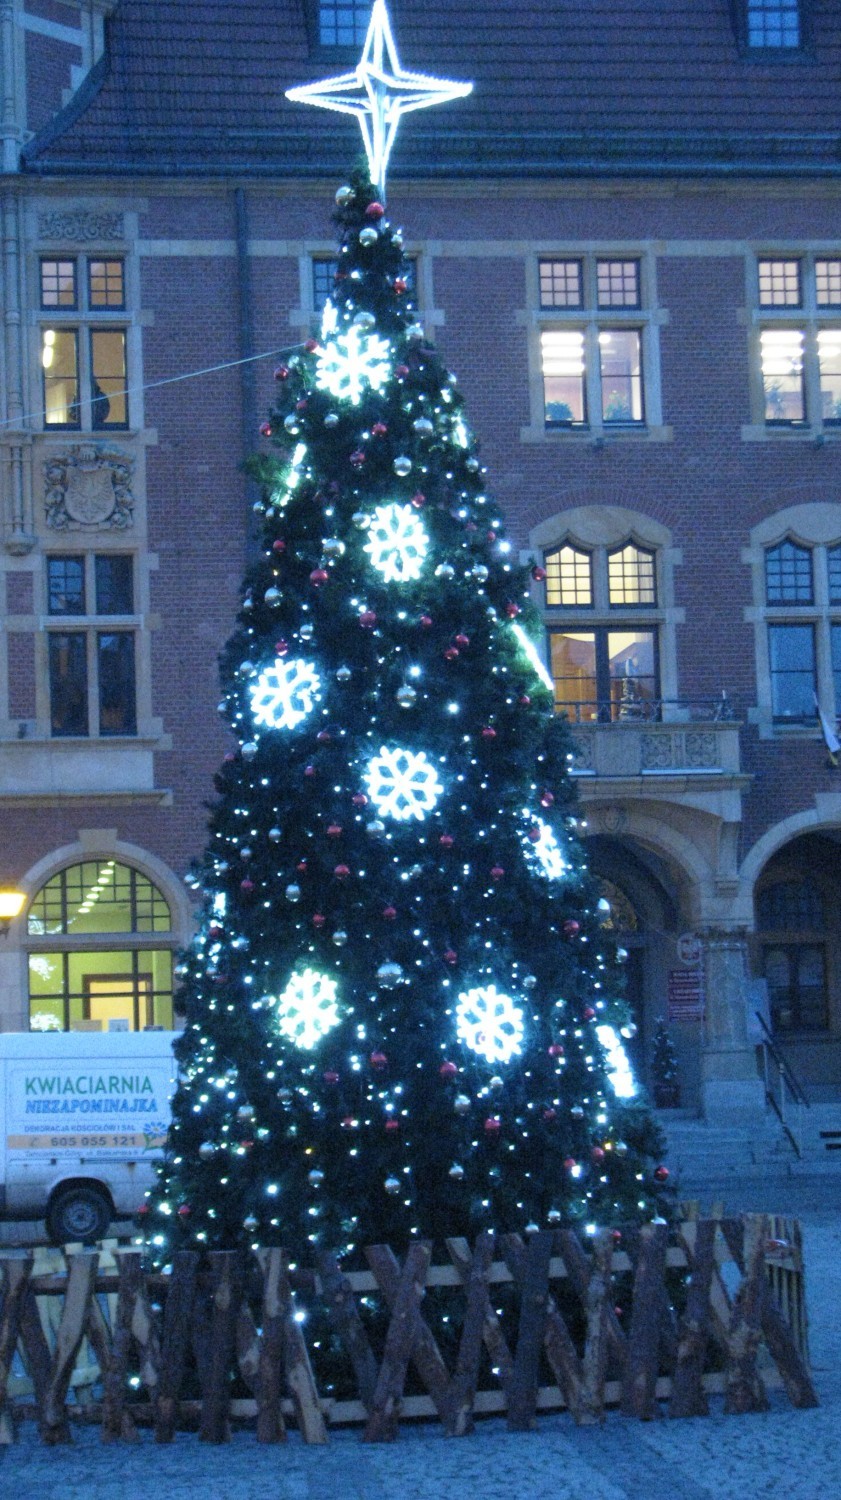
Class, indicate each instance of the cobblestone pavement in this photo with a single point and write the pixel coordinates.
(780, 1452)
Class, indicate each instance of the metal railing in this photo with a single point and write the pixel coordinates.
(783, 1089)
(630, 709)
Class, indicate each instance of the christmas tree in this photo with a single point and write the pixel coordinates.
(403, 1015)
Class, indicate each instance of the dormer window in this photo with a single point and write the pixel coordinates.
(773, 24)
(343, 23)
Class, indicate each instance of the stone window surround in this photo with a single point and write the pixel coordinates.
(305, 318)
(600, 529)
(810, 317)
(648, 317)
(816, 526)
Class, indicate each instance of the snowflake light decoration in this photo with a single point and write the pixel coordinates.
(397, 543)
(285, 694)
(352, 363)
(545, 852)
(619, 1069)
(402, 784)
(489, 1023)
(307, 1009)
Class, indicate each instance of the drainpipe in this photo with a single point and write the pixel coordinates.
(248, 381)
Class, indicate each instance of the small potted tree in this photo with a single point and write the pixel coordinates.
(664, 1072)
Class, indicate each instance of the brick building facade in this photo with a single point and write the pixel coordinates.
(627, 244)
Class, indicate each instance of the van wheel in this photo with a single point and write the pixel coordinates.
(80, 1213)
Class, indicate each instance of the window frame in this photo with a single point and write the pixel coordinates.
(84, 320)
(591, 317)
(812, 319)
(93, 625)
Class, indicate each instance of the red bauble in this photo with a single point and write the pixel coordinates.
(401, 371)
(418, 500)
(550, 1114)
(278, 545)
(616, 1236)
(374, 210)
(309, 770)
(571, 927)
(142, 1211)
(302, 404)
(311, 345)
(334, 831)
(265, 429)
(597, 1153)
(661, 1173)
(546, 799)
(341, 872)
(349, 1122)
(282, 372)
(463, 641)
(229, 756)
(357, 458)
(215, 931)
(451, 653)
(319, 576)
(399, 285)
(425, 621)
(538, 574)
(246, 886)
(446, 841)
(301, 867)
(367, 619)
(378, 1060)
(589, 1013)
(318, 920)
(359, 799)
(448, 1070)
(324, 737)
(534, 835)
(392, 1124)
(330, 1076)
(379, 429)
(497, 872)
(570, 1162)
(512, 611)
(555, 1049)
(524, 700)
(281, 648)
(492, 1124)
(184, 1211)
(389, 912)
(450, 956)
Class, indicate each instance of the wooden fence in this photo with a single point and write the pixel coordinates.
(654, 1320)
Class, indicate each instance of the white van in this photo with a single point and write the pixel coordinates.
(83, 1115)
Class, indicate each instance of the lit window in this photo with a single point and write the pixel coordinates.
(630, 576)
(109, 398)
(604, 674)
(569, 577)
(343, 23)
(58, 283)
(564, 397)
(829, 364)
(791, 654)
(773, 23)
(618, 283)
(828, 283)
(561, 283)
(782, 375)
(60, 368)
(620, 368)
(788, 574)
(106, 283)
(779, 283)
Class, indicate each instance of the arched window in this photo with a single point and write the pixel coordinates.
(100, 951)
(791, 921)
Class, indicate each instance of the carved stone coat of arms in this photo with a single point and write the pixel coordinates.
(88, 486)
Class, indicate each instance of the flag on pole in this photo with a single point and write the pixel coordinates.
(831, 740)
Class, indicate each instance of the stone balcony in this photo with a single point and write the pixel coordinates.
(666, 748)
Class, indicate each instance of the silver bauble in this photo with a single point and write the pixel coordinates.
(315, 1177)
(207, 1150)
(577, 1112)
(292, 425)
(331, 420)
(368, 236)
(245, 1112)
(249, 750)
(389, 975)
(365, 320)
(343, 674)
(461, 1104)
(375, 827)
(361, 519)
(245, 852)
(397, 238)
(285, 1096)
(532, 1228)
(414, 333)
(480, 573)
(629, 1031)
(402, 465)
(621, 1148)
(621, 955)
(246, 669)
(249, 1223)
(306, 631)
(240, 944)
(344, 196)
(496, 1083)
(332, 547)
(392, 1185)
(181, 971)
(406, 696)
(456, 1172)
(423, 426)
(275, 835)
(293, 893)
(554, 1216)
(445, 571)
(472, 465)
(339, 938)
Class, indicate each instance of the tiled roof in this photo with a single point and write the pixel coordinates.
(196, 86)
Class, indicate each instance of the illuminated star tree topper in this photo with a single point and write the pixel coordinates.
(378, 93)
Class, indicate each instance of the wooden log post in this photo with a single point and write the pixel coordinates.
(531, 1270)
(226, 1280)
(688, 1397)
(81, 1276)
(300, 1380)
(425, 1354)
(749, 1249)
(640, 1383)
(598, 1309)
(458, 1407)
(175, 1342)
(271, 1427)
(492, 1335)
(579, 1271)
(744, 1388)
(384, 1416)
(16, 1269)
(344, 1315)
(559, 1347)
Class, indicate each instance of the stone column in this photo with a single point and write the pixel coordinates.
(731, 1087)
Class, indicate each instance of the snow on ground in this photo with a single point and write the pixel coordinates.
(780, 1452)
